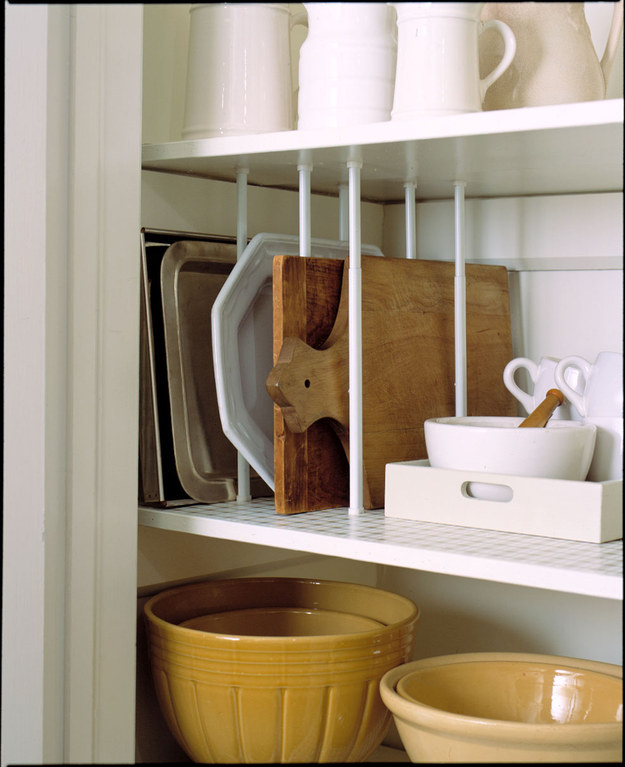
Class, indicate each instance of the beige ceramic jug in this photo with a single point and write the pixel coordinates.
(555, 61)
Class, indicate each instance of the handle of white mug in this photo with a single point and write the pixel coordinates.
(609, 55)
(511, 385)
(295, 19)
(576, 399)
(298, 18)
(509, 42)
(393, 7)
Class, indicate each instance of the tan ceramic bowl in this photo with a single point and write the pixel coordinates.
(282, 622)
(507, 707)
(277, 669)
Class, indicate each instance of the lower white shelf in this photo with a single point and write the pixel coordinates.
(526, 560)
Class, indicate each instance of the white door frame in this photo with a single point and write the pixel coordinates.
(72, 218)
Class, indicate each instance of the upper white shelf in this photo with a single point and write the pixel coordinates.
(573, 567)
(569, 148)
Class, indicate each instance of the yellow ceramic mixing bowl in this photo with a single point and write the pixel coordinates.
(507, 707)
(277, 669)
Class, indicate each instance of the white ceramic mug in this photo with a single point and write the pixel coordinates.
(601, 403)
(542, 376)
(239, 69)
(438, 58)
(347, 65)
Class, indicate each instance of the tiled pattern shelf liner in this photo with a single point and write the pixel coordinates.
(562, 565)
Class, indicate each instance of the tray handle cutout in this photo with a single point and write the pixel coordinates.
(487, 491)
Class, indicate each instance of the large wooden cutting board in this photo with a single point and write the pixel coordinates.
(408, 367)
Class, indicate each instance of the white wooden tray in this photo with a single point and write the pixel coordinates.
(555, 508)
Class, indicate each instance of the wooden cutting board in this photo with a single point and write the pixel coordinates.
(408, 367)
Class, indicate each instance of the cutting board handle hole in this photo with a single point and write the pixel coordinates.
(307, 383)
(487, 491)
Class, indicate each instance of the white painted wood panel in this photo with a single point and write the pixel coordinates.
(103, 336)
(202, 205)
(465, 615)
(565, 255)
(35, 249)
(71, 380)
(580, 231)
(167, 555)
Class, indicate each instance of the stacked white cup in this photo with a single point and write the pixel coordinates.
(542, 376)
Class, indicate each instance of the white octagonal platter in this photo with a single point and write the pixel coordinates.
(242, 331)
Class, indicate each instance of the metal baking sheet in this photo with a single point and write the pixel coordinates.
(159, 482)
(192, 274)
(158, 478)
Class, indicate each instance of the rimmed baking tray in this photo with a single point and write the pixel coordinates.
(184, 456)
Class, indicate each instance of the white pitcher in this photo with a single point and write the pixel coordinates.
(438, 59)
(239, 69)
(347, 65)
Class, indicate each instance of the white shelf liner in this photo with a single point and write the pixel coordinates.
(567, 566)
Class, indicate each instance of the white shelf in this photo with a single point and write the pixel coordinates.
(570, 148)
(566, 566)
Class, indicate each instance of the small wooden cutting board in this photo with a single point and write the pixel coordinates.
(408, 367)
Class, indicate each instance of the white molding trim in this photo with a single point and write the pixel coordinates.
(35, 382)
(103, 326)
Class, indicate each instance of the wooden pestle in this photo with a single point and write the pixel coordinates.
(543, 412)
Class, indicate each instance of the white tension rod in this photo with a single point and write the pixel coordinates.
(411, 227)
(243, 467)
(343, 212)
(460, 315)
(304, 208)
(355, 343)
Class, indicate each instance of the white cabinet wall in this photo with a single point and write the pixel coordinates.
(70, 534)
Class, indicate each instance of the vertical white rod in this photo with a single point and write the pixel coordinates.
(460, 301)
(411, 227)
(355, 343)
(243, 467)
(343, 212)
(304, 209)
(241, 210)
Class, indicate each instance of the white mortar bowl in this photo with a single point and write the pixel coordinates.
(560, 450)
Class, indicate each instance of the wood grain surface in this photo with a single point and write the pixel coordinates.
(408, 367)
